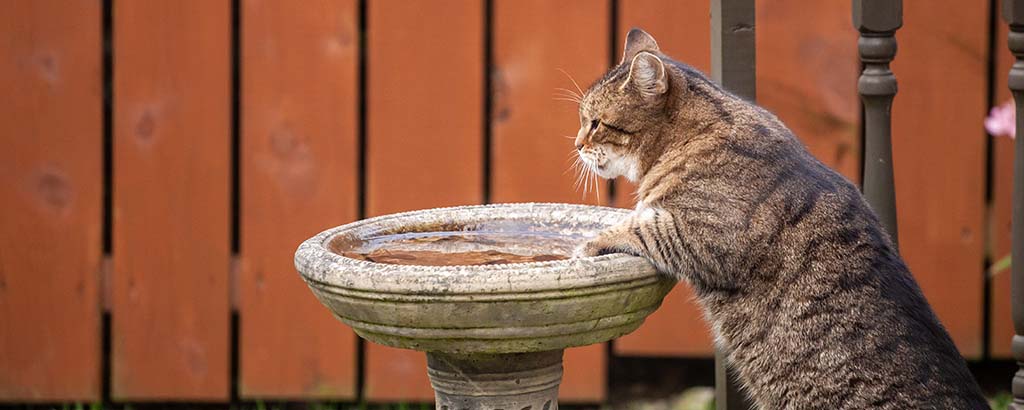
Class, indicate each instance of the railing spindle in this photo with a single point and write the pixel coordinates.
(733, 65)
(1013, 13)
(877, 21)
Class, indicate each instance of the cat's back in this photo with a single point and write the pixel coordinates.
(840, 315)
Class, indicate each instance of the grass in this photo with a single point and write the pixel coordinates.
(691, 399)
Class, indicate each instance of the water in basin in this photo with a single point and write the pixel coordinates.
(483, 244)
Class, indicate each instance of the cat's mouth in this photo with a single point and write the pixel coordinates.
(593, 163)
(599, 167)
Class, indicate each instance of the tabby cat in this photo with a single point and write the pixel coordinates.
(803, 290)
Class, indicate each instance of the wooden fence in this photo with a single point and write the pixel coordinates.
(162, 159)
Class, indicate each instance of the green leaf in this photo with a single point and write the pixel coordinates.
(1000, 265)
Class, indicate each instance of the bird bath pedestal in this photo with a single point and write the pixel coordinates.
(494, 332)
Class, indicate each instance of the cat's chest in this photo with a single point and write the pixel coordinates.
(644, 212)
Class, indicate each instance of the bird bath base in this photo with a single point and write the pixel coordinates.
(493, 332)
(508, 381)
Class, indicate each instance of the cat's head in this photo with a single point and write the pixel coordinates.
(623, 112)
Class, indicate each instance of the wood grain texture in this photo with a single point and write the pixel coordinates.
(683, 31)
(531, 130)
(807, 72)
(172, 133)
(299, 176)
(532, 41)
(939, 158)
(425, 105)
(999, 210)
(424, 137)
(51, 184)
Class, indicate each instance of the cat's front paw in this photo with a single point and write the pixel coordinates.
(592, 248)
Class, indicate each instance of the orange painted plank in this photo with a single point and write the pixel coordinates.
(683, 31)
(939, 158)
(299, 176)
(172, 133)
(424, 137)
(532, 146)
(1001, 329)
(51, 184)
(532, 41)
(807, 73)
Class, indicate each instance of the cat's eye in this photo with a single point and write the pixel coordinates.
(616, 129)
(594, 124)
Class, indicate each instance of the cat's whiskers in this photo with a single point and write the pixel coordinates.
(589, 181)
(574, 83)
(580, 169)
(573, 161)
(581, 179)
(567, 99)
(567, 96)
(569, 92)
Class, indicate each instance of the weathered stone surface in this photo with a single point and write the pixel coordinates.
(508, 308)
(494, 334)
(510, 381)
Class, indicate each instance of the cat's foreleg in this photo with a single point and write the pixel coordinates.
(636, 235)
(616, 239)
(648, 232)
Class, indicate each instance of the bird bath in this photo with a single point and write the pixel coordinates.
(490, 293)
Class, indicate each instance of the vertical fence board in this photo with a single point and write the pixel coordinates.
(299, 176)
(171, 200)
(424, 136)
(51, 183)
(1000, 322)
(532, 41)
(808, 77)
(939, 158)
(682, 29)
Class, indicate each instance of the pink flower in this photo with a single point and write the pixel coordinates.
(1002, 120)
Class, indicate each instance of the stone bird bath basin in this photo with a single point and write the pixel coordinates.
(493, 333)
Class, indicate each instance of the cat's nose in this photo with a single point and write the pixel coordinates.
(581, 136)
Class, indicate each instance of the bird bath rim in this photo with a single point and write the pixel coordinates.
(318, 263)
(493, 334)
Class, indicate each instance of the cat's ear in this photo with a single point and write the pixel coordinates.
(636, 41)
(647, 74)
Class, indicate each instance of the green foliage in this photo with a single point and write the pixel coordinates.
(1001, 401)
(1000, 265)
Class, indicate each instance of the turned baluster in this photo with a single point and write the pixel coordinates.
(877, 21)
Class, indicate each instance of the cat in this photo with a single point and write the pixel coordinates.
(802, 288)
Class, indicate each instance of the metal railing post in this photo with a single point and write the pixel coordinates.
(1013, 13)
(733, 59)
(877, 21)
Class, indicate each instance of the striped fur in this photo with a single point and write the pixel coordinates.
(802, 288)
